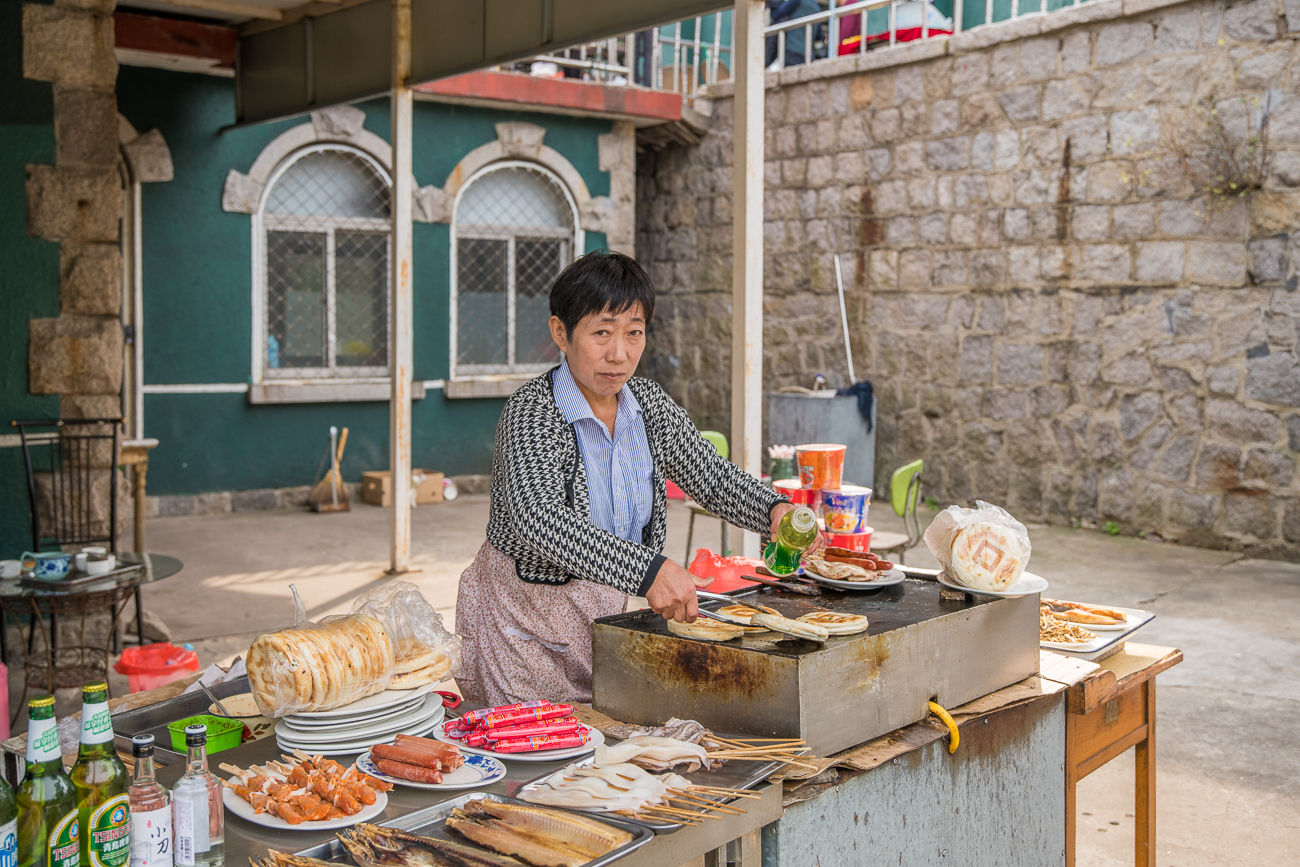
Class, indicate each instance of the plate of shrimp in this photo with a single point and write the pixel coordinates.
(304, 793)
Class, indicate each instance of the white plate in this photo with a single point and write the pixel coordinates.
(892, 577)
(357, 746)
(1025, 585)
(375, 731)
(306, 725)
(244, 810)
(477, 771)
(1097, 647)
(1118, 627)
(364, 706)
(540, 756)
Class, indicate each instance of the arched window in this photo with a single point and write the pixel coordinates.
(325, 239)
(513, 232)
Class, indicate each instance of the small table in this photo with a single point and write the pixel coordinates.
(70, 666)
(1107, 712)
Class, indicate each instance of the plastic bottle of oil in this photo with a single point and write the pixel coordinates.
(794, 534)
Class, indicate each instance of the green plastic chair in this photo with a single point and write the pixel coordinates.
(904, 494)
(719, 442)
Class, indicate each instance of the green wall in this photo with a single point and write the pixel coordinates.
(198, 296)
(29, 267)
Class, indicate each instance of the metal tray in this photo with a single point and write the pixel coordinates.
(732, 775)
(77, 578)
(431, 822)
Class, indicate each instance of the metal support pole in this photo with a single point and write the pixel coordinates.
(747, 248)
(399, 359)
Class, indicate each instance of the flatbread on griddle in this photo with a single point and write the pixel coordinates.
(742, 614)
(836, 623)
(705, 629)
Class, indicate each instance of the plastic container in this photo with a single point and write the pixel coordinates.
(151, 666)
(853, 541)
(821, 465)
(845, 509)
(223, 733)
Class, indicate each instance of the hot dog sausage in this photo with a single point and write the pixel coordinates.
(414, 773)
(398, 753)
(447, 754)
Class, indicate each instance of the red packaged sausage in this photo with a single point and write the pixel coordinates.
(475, 717)
(535, 729)
(546, 742)
(520, 716)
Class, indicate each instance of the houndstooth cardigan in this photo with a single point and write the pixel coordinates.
(540, 514)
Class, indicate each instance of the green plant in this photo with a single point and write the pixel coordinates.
(932, 503)
(1112, 529)
(1223, 160)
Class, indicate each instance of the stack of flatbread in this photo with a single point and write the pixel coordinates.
(417, 664)
(321, 666)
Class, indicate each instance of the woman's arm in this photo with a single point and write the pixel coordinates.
(713, 481)
(539, 508)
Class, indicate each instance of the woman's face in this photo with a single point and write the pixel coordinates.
(605, 348)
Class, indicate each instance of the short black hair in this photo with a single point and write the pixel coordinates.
(601, 282)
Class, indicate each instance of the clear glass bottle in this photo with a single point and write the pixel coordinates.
(48, 833)
(796, 531)
(198, 818)
(151, 810)
(100, 778)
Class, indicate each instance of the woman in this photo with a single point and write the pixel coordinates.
(578, 514)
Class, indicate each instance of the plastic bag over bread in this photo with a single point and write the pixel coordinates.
(982, 548)
(392, 639)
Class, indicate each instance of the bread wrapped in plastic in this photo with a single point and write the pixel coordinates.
(982, 548)
(393, 639)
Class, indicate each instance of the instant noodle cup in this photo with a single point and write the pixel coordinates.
(845, 510)
(852, 541)
(821, 465)
(796, 493)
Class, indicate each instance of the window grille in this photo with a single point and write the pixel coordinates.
(326, 236)
(514, 234)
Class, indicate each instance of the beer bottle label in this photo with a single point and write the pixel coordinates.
(110, 833)
(9, 844)
(43, 740)
(64, 848)
(151, 837)
(96, 724)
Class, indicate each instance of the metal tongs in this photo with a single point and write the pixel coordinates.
(704, 594)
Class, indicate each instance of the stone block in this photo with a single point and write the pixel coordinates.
(1268, 260)
(975, 362)
(949, 268)
(933, 229)
(1076, 52)
(1235, 423)
(90, 279)
(914, 269)
(1123, 41)
(948, 155)
(970, 191)
(1291, 514)
(1090, 222)
(1111, 181)
(1116, 491)
(1144, 455)
(254, 501)
(987, 268)
(1222, 263)
(1105, 263)
(1131, 369)
(1273, 378)
(1260, 70)
(1040, 146)
(883, 269)
(1250, 512)
(1064, 97)
(1020, 364)
(1174, 380)
(1022, 265)
(1134, 132)
(1176, 463)
(72, 203)
(90, 406)
(945, 117)
(1193, 512)
(1223, 380)
(85, 127)
(962, 229)
(886, 124)
(1252, 21)
(1293, 433)
(1177, 31)
(74, 355)
(1218, 467)
(1087, 136)
(69, 47)
(1020, 103)
(1272, 467)
(1160, 261)
(909, 158)
(1037, 58)
(1137, 413)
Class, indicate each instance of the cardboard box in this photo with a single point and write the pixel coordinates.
(376, 487)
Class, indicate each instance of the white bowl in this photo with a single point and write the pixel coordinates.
(99, 567)
(11, 568)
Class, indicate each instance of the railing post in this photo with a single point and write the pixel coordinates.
(747, 246)
(893, 22)
(988, 11)
(956, 15)
(833, 34)
(400, 353)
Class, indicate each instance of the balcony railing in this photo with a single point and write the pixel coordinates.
(689, 54)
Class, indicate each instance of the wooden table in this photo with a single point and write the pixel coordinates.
(1107, 712)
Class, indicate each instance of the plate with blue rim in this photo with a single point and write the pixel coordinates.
(475, 772)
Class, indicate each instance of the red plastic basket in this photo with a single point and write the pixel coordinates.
(153, 665)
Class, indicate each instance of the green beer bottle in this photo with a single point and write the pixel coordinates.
(8, 826)
(48, 832)
(103, 806)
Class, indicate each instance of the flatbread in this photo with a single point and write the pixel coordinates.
(777, 623)
(743, 614)
(320, 666)
(705, 629)
(436, 672)
(836, 571)
(241, 705)
(836, 623)
(987, 556)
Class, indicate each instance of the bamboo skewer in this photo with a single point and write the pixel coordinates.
(730, 793)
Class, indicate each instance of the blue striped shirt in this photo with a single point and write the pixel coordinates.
(619, 468)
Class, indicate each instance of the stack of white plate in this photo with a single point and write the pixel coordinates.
(354, 728)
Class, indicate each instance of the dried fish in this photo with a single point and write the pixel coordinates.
(376, 846)
(543, 838)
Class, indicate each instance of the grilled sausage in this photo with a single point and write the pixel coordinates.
(414, 773)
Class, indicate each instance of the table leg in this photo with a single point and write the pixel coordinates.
(1144, 833)
(139, 615)
(141, 470)
(1071, 780)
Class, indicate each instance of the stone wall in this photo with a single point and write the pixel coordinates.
(1051, 317)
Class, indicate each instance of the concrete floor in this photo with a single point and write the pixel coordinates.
(1228, 759)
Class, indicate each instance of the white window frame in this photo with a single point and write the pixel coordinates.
(517, 372)
(315, 383)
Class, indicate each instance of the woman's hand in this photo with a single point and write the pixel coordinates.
(779, 511)
(672, 593)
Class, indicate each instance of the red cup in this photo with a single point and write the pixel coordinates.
(860, 542)
(797, 494)
(821, 465)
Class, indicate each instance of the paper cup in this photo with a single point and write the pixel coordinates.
(821, 465)
(852, 541)
(845, 509)
(797, 494)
